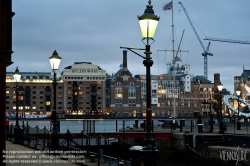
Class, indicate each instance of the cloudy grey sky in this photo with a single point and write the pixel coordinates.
(93, 31)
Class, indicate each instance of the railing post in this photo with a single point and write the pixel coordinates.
(191, 126)
(44, 128)
(98, 145)
(23, 133)
(88, 141)
(118, 157)
(36, 135)
(123, 126)
(28, 137)
(152, 126)
(116, 126)
(67, 139)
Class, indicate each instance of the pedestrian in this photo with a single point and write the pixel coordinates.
(7, 125)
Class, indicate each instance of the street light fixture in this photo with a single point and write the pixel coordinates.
(148, 23)
(220, 87)
(238, 92)
(17, 129)
(55, 60)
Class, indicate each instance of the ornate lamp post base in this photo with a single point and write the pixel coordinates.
(238, 126)
(17, 135)
(221, 128)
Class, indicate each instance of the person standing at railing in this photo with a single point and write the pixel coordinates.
(7, 125)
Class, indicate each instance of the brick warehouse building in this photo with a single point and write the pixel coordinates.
(35, 94)
(125, 92)
(84, 88)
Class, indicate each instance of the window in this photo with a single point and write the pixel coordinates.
(118, 90)
(47, 103)
(131, 90)
(7, 92)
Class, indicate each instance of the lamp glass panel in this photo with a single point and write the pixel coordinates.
(17, 77)
(238, 92)
(54, 63)
(220, 87)
(148, 27)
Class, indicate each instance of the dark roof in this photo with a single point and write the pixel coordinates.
(82, 62)
(177, 58)
(69, 67)
(245, 73)
(202, 79)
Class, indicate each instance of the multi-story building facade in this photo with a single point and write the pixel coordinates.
(242, 83)
(84, 87)
(35, 93)
(125, 93)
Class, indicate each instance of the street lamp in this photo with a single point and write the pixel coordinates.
(148, 23)
(54, 141)
(238, 121)
(17, 129)
(220, 87)
(211, 115)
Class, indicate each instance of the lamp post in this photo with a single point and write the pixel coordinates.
(17, 129)
(211, 116)
(148, 22)
(220, 87)
(238, 121)
(54, 140)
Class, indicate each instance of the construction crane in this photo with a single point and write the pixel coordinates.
(226, 40)
(206, 51)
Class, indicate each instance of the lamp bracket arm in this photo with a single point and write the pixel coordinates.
(130, 49)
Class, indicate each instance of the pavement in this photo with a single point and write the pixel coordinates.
(20, 155)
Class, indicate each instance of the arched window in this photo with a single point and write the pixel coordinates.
(131, 90)
(118, 90)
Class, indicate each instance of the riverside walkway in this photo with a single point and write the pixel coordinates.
(20, 155)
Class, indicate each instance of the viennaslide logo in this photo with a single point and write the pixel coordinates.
(233, 155)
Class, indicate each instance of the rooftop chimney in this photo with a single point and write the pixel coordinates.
(216, 80)
(125, 59)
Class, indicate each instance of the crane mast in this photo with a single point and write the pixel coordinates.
(206, 51)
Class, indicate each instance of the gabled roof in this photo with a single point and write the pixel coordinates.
(201, 79)
(245, 73)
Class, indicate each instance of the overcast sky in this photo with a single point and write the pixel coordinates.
(93, 31)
